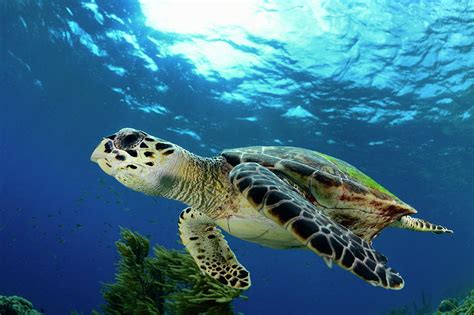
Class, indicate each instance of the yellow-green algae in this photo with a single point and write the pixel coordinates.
(356, 174)
(167, 283)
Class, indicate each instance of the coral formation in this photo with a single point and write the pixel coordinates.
(167, 283)
(16, 305)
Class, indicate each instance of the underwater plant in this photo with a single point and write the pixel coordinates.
(450, 306)
(425, 307)
(416, 308)
(453, 306)
(16, 305)
(170, 282)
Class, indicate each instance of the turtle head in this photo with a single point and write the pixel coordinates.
(137, 160)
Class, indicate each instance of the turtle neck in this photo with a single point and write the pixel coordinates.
(199, 182)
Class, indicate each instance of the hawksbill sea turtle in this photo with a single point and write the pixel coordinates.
(276, 196)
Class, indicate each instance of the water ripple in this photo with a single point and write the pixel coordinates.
(377, 62)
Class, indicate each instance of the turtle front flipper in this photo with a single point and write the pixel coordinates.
(206, 244)
(279, 202)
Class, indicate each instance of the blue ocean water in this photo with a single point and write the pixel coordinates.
(386, 85)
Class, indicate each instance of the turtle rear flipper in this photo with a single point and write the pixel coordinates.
(420, 225)
(210, 251)
(281, 203)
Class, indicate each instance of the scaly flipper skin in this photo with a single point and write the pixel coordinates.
(210, 251)
(420, 225)
(279, 202)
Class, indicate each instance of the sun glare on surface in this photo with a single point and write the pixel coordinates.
(198, 17)
(221, 35)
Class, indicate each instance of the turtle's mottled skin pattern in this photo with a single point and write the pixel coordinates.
(281, 197)
(200, 238)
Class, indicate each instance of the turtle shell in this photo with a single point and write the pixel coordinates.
(337, 188)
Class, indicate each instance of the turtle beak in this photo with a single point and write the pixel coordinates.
(101, 151)
(101, 156)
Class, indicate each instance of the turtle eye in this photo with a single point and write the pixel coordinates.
(129, 140)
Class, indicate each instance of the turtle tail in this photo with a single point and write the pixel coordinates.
(415, 224)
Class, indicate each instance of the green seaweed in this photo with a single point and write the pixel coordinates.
(16, 305)
(449, 306)
(425, 307)
(453, 306)
(170, 282)
(416, 308)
